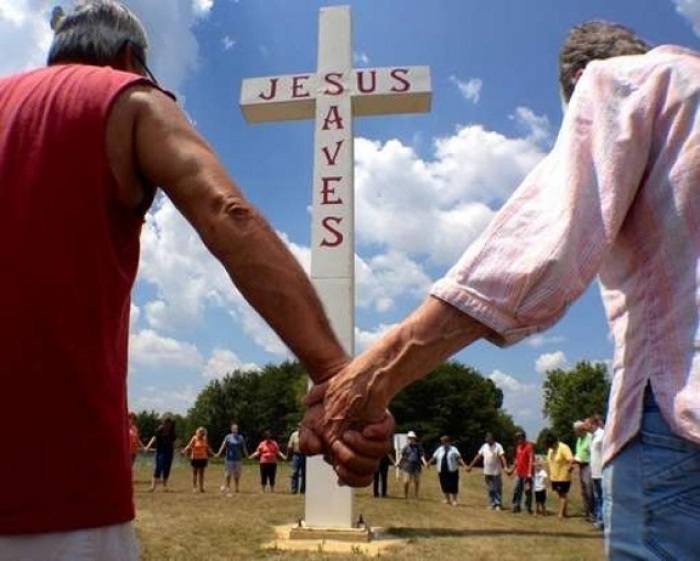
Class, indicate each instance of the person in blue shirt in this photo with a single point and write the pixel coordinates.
(448, 459)
(236, 450)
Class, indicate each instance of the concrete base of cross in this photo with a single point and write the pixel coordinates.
(356, 535)
(371, 542)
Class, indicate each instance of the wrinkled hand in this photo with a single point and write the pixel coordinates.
(352, 439)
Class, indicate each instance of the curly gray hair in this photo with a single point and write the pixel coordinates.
(594, 40)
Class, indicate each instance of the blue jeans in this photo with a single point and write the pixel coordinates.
(651, 495)
(598, 501)
(494, 486)
(523, 485)
(298, 479)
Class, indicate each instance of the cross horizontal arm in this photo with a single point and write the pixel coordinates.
(375, 91)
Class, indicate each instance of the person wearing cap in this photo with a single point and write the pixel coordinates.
(582, 460)
(523, 467)
(411, 462)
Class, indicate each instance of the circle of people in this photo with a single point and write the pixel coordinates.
(534, 473)
(532, 477)
(233, 449)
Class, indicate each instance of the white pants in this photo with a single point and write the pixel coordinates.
(110, 543)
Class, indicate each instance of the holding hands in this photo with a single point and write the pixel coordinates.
(348, 424)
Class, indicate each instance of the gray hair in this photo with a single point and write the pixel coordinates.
(594, 40)
(95, 33)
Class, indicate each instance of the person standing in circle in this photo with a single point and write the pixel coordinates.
(540, 485)
(199, 451)
(411, 464)
(236, 450)
(298, 477)
(524, 467)
(560, 460)
(494, 463)
(164, 439)
(135, 443)
(268, 451)
(448, 459)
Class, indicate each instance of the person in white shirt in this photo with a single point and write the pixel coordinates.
(494, 463)
(596, 424)
(540, 486)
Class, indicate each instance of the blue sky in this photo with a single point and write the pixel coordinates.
(495, 113)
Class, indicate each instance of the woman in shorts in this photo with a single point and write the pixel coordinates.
(559, 459)
(199, 451)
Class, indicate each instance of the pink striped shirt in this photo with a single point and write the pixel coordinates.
(618, 197)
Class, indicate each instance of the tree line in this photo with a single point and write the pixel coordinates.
(454, 399)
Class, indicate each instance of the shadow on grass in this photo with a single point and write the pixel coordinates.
(404, 532)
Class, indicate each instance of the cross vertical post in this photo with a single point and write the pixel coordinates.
(332, 238)
(332, 96)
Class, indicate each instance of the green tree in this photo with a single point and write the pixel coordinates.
(256, 400)
(574, 394)
(456, 400)
(148, 422)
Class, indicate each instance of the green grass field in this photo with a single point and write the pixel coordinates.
(181, 525)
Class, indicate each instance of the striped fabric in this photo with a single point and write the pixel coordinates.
(618, 197)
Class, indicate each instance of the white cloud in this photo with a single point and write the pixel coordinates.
(228, 42)
(224, 362)
(690, 9)
(360, 58)
(382, 279)
(190, 281)
(161, 399)
(521, 400)
(365, 339)
(470, 89)
(25, 35)
(436, 208)
(407, 208)
(550, 361)
(509, 384)
(537, 127)
(151, 350)
(202, 7)
(134, 317)
(541, 340)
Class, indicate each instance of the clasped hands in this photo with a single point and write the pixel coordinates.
(348, 424)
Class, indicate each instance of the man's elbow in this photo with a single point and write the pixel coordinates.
(230, 223)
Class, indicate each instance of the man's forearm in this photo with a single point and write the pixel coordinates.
(272, 281)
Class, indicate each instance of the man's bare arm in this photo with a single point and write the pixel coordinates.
(171, 154)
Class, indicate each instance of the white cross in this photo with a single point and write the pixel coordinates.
(333, 95)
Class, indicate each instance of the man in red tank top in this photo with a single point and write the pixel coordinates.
(83, 144)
